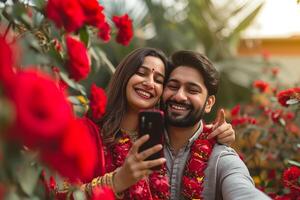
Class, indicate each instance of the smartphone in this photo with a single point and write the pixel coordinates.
(151, 122)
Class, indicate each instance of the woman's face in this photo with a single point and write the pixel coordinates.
(145, 87)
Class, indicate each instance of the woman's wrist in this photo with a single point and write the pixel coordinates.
(118, 183)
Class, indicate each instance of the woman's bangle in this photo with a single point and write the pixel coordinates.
(105, 180)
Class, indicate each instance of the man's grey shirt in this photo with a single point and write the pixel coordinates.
(226, 176)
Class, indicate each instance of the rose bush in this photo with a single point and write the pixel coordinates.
(268, 133)
(46, 138)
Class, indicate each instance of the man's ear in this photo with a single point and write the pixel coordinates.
(210, 102)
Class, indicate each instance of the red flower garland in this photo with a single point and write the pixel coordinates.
(193, 177)
(156, 187)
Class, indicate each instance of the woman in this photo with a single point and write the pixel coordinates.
(137, 84)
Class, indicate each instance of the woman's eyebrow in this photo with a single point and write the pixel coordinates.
(148, 70)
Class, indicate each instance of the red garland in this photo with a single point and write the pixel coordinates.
(154, 188)
(193, 177)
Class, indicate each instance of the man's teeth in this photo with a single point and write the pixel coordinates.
(143, 93)
(178, 107)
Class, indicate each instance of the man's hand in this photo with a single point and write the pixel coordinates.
(223, 130)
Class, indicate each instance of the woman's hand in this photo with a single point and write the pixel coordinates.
(135, 167)
(222, 130)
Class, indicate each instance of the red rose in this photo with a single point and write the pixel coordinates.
(6, 62)
(66, 13)
(75, 158)
(197, 165)
(159, 183)
(104, 31)
(42, 111)
(235, 110)
(139, 190)
(291, 177)
(97, 102)
(52, 183)
(261, 85)
(203, 148)
(100, 193)
(276, 115)
(93, 12)
(78, 62)
(192, 189)
(95, 133)
(285, 95)
(125, 32)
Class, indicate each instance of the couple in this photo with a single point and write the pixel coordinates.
(194, 165)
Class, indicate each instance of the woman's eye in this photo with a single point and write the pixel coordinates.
(159, 80)
(140, 73)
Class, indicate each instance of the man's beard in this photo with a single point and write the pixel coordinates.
(192, 118)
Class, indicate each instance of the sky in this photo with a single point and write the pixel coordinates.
(278, 18)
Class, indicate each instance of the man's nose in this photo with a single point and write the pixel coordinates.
(180, 95)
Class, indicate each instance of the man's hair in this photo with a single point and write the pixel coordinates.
(202, 64)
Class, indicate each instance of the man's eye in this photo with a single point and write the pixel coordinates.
(194, 91)
(172, 87)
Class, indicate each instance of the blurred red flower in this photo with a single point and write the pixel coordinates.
(67, 14)
(6, 62)
(202, 146)
(78, 62)
(101, 193)
(104, 31)
(197, 165)
(125, 30)
(262, 86)
(42, 110)
(95, 134)
(76, 156)
(291, 179)
(235, 110)
(285, 95)
(192, 189)
(159, 183)
(97, 102)
(93, 12)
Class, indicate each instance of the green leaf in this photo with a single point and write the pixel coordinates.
(28, 175)
(73, 84)
(39, 4)
(84, 35)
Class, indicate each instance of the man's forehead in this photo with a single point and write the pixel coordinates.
(185, 73)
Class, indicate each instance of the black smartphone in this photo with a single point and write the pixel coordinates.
(152, 122)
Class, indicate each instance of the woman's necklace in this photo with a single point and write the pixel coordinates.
(153, 188)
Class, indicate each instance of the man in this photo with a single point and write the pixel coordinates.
(196, 167)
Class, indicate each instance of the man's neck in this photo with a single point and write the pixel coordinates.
(130, 121)
(179, 136)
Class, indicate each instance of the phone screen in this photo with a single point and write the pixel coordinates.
(152, 122)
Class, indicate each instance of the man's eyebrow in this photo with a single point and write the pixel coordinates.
(192, 84)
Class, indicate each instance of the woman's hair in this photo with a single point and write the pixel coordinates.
(116, 95)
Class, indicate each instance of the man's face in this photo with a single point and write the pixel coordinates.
(185, 97)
